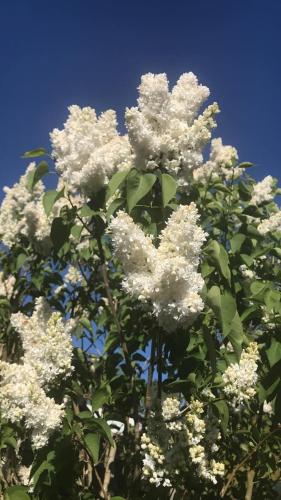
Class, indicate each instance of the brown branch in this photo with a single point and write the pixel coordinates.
(107, 473)
(250, 484)
(245, 459)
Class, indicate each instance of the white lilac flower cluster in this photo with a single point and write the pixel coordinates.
(73, 276)
(221, 164)
(178, 440)
(263, 191)
(273, 223)
(239, 379)
(201, 435)
(166, 276)
(88, 150)
(47, 356)
(165, 129)
(7, 285)
(22, 212)
(247, 273)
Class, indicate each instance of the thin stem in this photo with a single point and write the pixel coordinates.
(245, 459)
(159, 366)
(148, 397)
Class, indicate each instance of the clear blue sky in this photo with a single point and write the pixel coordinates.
(59, 52)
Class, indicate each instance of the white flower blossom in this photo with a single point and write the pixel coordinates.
(21, 397)
(263, 191)
(73, 276)
(165, 129)
(221, 164)
(22, 213)
(88, 150)
(248, 274)
(7, 285)
(46, 340)
(268, 408)
(239, 379)
(273, 223)
(166, 276)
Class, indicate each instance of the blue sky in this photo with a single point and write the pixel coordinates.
(87, 52)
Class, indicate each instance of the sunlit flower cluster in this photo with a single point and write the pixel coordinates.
(180, 439)
(88, 150)
(221, 164)
(21, 397)
(47, 356)
(202, 434)
(22, 212)
(273, 223)
(167, 276)
(7, 285)
(165, 129)
(240, 379)
(263, 191)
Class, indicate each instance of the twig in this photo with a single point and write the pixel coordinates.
(159, 366)
(250, 484)
(245, 459)
(107, 473)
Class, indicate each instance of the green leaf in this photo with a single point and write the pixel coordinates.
(273, 353)
(50, 198)
(169, 188)
(21, 258)
(86, 211)
(236, 242)
(114, 183)
(114, 206)
(219, 258)
(138, 185)
(100, 397)
(35, 153)
(16, 493)
(118, 498)
(245, 164)
(103, 426)
(209, 341)
(59, 233)
(223, 412)
(37, 174)
(225, 309)
(92, 442)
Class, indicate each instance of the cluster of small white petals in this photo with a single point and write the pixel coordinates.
(7, 285)
(24, 474)
(88, 150)
(46, 340)
(21, 397)
(273, 223)
(268, 408)
(200, 431)
(165, 129)
(22, 213)
(153, 469)
(170, 412)
(221, 164)
(174, 434)
(239, 379)
(248, 274)
(263, 191)
(166, 276)
(73, 276)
